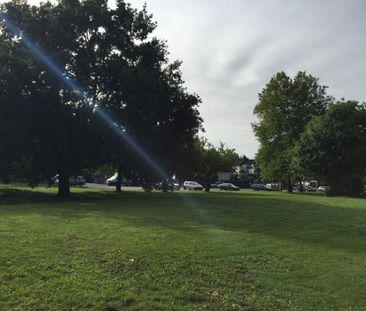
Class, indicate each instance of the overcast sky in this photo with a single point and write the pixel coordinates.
(231, 48)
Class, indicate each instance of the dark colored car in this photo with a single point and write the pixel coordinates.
(215, 185)
(258, 187)
(228, 186)
(167, 186)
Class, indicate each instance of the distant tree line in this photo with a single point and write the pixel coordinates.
(305, 133)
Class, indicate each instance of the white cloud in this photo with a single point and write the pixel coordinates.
(231, 49)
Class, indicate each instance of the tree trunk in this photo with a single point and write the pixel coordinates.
(49, 181)
(207, 184)
(63, 185)
(119, 179)
(301, 186)
(289, 185)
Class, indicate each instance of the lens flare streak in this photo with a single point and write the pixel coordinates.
(70, 83)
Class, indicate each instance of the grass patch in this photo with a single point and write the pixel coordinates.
(174, 251)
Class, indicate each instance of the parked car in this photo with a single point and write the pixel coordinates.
(167, 186)
(258, 187)
(228, 186)
(215, 184)
(77, 180)
(54, 180)
(176, 186)
(73, 180)
(273, 186)
(323, 189)
(112, 181)
(192, 185)
(309, 189)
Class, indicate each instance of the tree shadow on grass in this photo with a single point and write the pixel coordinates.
(16, 195)
(326, 222)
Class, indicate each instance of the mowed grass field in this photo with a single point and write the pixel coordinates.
(174, 251)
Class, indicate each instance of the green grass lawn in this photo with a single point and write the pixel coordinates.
(168, 251)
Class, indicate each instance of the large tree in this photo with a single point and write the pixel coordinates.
(57, 131)
(112, 57)
(333, 147)
(284, 108)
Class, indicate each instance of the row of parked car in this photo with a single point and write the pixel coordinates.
(266, 187)
(174, 186)
(270, 187)
(193, 185)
